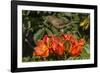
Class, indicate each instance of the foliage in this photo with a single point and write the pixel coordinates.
(37, 24)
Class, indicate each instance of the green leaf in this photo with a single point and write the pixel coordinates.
(71, 58)
(86, 52)
(49, 32)
(54, 30)
(38, 35)
(87, 48)
(26, 59)
(35, 58)
(75, 17)
(68, 14)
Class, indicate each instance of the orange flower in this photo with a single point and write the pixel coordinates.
(41, 49)
(60, 49)
(72, 39)
(57, 46)
(77, 49)
(81, 42)
(66, 36)
(46, 40)
(77, 46)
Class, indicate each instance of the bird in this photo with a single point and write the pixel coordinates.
(57, 22)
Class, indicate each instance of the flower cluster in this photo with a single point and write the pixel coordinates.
(56, 45)
(77, 46)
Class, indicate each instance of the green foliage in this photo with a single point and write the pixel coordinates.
(38, 35)
(48, 31)
(54, 30)
(86, 52)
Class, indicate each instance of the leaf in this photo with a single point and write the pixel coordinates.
(85, 23)
(87, 48)
(35, 58)
(38, 35)
(71, 58)
(26, 59)
(67, 46)
(86, 52)
(68, 14)
(49, 32)
(76, 17)
(54, 30)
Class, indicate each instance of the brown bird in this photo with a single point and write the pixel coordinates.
(57, 22)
